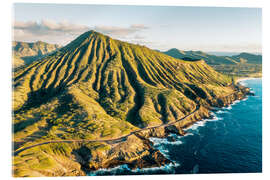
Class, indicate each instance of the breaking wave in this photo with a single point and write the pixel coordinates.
(202, 123)
(168, 168)
(162, 145)
(124, 169)
(221, 112)
(157, 141)
(227, 108)
(116, 170)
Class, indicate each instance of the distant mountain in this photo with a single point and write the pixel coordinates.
(243, 64)
(17, 61)
(248, 58)
(25, 52)
(95, 102)
(210, 59)
(100, 99)
(117, 71)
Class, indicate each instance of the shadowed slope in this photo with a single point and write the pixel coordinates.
(114, 81)
(99, 99)
(25, 53)
(26, 49)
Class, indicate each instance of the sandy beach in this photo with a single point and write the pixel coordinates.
(239, 79)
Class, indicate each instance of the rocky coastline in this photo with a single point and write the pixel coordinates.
(96, 102)
(144, 155)
(136, 151)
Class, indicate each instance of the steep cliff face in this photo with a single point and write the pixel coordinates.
(97, 89)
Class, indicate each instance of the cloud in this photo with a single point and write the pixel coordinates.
(49, 26)
(139, 37)
(113, 30)
(139, 26)
(63, 32)
(141, 42)
(120, 31)
(47, 30)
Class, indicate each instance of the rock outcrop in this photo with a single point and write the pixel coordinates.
(95, 102)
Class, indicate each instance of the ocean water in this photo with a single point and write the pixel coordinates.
(229, 143)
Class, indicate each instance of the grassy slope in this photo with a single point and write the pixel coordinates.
(210, 59)
(17, 61)
(244, 64)
(100, 88)
(25, 53)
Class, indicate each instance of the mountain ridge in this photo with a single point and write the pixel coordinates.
(98, 88)
(83, 46)
(26, 52)
(240, 65)
(214, 59)
(21, 48)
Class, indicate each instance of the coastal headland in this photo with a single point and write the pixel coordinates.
(96, 102)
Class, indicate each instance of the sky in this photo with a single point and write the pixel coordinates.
(210, 29)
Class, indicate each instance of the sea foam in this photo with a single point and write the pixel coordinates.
(125, 169)
(115, 170)
(168, 168)
(221, 112)
(165, 141)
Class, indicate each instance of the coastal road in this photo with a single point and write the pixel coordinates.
(109, 141)
(116, 140)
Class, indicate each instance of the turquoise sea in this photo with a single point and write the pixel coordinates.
(229, 143)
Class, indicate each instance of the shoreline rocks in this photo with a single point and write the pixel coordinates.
(153, 157)
(137, 151)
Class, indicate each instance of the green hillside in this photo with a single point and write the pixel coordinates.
(97, 88)
(209, 59)
(248, 58)
(244, 64)
(25, 53)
